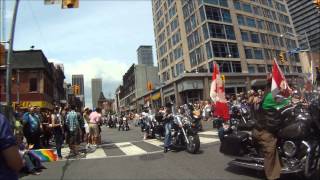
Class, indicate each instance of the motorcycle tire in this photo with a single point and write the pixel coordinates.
(316, 174)
(194, 144)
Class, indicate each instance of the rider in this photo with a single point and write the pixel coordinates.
(168, 118)
(265, 131)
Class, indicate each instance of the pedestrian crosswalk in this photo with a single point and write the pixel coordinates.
(134, 148)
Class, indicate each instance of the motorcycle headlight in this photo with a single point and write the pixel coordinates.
(289, 148)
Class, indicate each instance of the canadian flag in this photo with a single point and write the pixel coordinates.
(279, 82)
(217, 95)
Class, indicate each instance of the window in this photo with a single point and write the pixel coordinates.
(179, 68)
(229, 32)
(245, 36)
(196, 57)
(237, 4)
(258, 53)
(174, 24)
(202, 14)
(267, 54)
(260, 24)
(257, 10)
(263, 38)
(224, 66)
(176, 38)
(255, 37)
(248, 52)
(269, 68)
(226, 15)
(236, 67)
(251, 69)
(246, 7)
(33, 84)
(217, 2)
(216, 30)
(172, 11)
(205, 31)
(218, 14)
(177, 53)
(251, 22)
(225, 50)
(261, 68)
(209, 50)
(193, 40)
(240, 20)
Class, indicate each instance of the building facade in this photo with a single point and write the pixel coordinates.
(137, 81)
(96, 86)
(145, 55)
(77, 79)
(241, 36)
(35, 81)
(306, 20)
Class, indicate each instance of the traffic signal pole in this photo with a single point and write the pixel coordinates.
(9, 55)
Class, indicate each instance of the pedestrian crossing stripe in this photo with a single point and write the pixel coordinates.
(133, 149)
(130, 149)
(214, 133)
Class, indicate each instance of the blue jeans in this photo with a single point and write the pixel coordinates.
(167, 136)
(58, 138)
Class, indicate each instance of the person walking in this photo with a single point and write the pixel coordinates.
(73, 127)
(10, 160)
(57, 130)
(86, 120)
(32, 126)
(94, 131)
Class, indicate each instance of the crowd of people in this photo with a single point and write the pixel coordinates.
(35, 128)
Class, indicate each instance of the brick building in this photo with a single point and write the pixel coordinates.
(35, 81)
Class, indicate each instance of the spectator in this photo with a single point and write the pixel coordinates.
(86, 119)
(57, 130)
(10, 160)
(95, 120)
(73, 127)
(32, 128)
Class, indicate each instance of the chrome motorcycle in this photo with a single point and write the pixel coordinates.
(298, 142)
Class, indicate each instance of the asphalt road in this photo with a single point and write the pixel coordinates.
(208, 164)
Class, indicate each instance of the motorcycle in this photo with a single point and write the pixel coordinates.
(111, 123)
(298, 142)
(240, 117)
(124, 125)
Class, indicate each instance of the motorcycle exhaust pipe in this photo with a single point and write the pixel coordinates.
(248, 165)
(307, 165)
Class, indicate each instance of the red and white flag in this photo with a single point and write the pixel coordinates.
(279, 82)
(217, 95)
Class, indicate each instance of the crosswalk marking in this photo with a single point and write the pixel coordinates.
(205, 140)
(154, 142)
(98, 153)
(209, 133)
(130, 149)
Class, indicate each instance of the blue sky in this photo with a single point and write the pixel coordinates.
(99, 39)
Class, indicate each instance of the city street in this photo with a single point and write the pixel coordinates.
(125, 156)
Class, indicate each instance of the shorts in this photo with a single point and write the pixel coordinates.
(73, 138)
(86, 128)
(94, 130)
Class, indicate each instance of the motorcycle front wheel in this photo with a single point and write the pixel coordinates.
(194, 144)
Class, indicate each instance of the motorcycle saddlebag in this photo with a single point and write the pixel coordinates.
(234, 144)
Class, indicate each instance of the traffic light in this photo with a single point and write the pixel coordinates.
(223, 78)
(67, 4)
(282, 58)
(316, 3)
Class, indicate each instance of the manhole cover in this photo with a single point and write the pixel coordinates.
(151, 157)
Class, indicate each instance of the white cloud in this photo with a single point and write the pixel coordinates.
(111, 72)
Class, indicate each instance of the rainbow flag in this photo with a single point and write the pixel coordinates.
(45, 155)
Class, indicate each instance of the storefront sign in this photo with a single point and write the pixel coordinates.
(156, 96)
(190, 84)
(27, 104)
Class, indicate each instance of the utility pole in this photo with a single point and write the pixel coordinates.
(9, 55)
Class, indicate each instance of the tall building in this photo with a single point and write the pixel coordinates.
(306, 20)
(96, 86)
(145, 55)
(241, 36)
